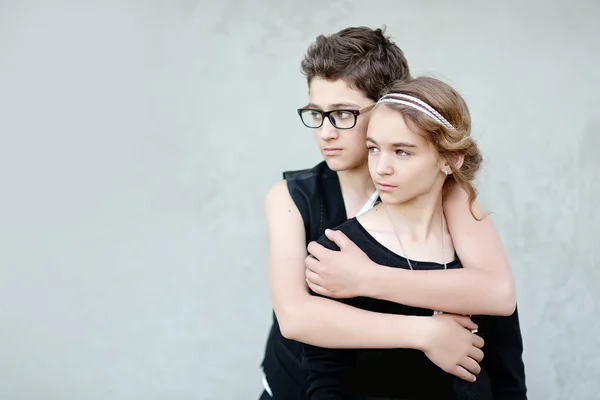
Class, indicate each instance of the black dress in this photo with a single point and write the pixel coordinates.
(386, 373)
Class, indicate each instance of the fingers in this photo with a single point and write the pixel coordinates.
(313, 277)
(317, 250)
(318, 289)
(477, 341)
(463, 374)
(465, 322)
(311, 263)
(476, 354)
(338, 237)
(471, 365)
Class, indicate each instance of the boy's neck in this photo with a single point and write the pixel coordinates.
(357, 187)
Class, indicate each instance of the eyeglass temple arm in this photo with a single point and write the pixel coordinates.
(367, 108)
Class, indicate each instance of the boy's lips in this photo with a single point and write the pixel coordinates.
(332, 151)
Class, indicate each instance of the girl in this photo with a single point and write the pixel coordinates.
(419, 146)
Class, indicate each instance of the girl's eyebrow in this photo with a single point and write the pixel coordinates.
(399, 144)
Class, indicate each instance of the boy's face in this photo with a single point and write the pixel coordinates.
(343, 149)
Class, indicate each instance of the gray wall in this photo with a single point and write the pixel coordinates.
(138, 140)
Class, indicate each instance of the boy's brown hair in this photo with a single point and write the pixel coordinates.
(365, 58)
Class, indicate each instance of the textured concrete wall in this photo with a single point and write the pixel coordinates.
(138, 140)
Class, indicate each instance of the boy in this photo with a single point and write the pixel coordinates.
(346, 72)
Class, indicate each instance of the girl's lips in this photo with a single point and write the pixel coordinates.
(384, 187)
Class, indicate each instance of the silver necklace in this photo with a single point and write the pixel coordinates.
(402, 246)
(404, 251)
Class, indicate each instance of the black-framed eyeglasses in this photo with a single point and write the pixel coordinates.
(340, 119)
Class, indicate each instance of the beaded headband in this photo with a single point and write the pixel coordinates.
(417, 104)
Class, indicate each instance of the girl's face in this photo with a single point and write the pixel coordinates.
(403, 164)
(342, 149)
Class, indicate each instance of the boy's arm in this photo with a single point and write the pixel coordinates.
(480, 250)
(327, 323)
(316, 320)
(484, 286)
(478, 246)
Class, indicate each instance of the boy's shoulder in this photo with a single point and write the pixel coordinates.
(319, 170)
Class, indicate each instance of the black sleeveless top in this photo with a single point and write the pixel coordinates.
(318, 196)
(386, 373)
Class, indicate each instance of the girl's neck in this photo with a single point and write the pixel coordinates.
(419, 218)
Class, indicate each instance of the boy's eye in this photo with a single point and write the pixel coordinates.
(342, 114)
(401, 153)
(372, 150)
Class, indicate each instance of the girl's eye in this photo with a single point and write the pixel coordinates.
(372, 150)
(401, 153)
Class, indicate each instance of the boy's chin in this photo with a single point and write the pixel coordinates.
(338, 164)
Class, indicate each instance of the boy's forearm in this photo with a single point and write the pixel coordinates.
(328, 323)
(459, 291)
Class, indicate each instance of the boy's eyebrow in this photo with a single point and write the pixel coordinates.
(399, 144)
(345, 105)
(334, 106)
